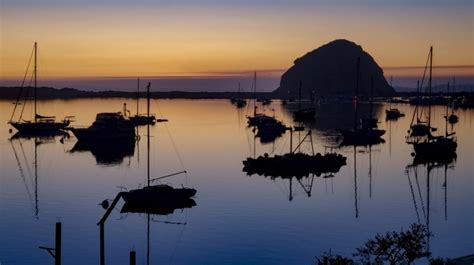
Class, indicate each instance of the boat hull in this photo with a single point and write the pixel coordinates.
(362, 137)
(91, 135)
(39, 127)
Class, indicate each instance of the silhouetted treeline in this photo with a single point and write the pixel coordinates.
(69, 93)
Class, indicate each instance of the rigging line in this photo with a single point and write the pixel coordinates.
(22, 175)
(423, 78)
(22, 84)
(413, 198)
(26, 97)
(419, 192)
(26, 162)
(176, 151)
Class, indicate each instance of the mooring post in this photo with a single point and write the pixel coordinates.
(102, 245)
(57, 256)
(133, 258)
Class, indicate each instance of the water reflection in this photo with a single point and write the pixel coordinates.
(106, 153)
(30, 178)
(412, 172)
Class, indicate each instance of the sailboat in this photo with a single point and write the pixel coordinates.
(364, 132)
(434, 147)
(303, 114)
(452, 118)
(140, 119)
(40, 124)
(258, 118)
(238, 101)
(392, 113)
(152, 196)
(423, 128)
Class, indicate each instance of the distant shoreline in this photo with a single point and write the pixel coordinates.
(11, 93)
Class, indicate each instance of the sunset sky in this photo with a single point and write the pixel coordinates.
(92, 40)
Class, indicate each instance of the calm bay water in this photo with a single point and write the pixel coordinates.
(238, 219)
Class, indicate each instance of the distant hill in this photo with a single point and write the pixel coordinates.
(331, 70)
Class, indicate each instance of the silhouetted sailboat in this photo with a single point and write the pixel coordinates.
(303, 114)
(268, 128)
(452, 118)
(364, 132)
(155, 196)
(295, 164)
(392, 113)
(238, 101)
(420, 127)
(40, 124)
(431, 148)
(142, 119)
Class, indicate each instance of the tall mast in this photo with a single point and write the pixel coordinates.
(299, 95)
(370, 95)
(148, 133)
(138, 93)
(254, 94)
(446, 116)
(356, 92)
(429, 82)
(35, 72)
(148, 100)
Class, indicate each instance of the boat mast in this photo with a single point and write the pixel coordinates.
(148, 134)
(446, 116)
(356, 93)
(35, 72)
(299, 95)
(370, 95)
(148, 100)
(254, 93)
(429, 81)
(138, 93)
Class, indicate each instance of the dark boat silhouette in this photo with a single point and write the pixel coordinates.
(434, 147)
(159, 195)
(365, 131)
(392, 113)
(108, 126)
(303, 114)
(238, 101)
(294, 164)
(40, 123)
(142, 119)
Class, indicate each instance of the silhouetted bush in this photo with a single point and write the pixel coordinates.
(402, 247)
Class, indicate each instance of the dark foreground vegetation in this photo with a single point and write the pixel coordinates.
(404, 247)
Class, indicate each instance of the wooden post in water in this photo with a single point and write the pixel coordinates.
(57, 256)
(133, 258)
(102, 244)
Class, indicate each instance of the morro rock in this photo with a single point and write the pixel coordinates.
(332, 70)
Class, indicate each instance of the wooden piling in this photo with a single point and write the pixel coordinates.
(133, 258)
(57, 256)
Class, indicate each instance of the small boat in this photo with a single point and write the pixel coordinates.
(158, 193)
(239, 102)
(140, 119)
(452, 118)
(108, 126)
(365, 131)
(303, 114)
(393, 114)
(40, 124)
